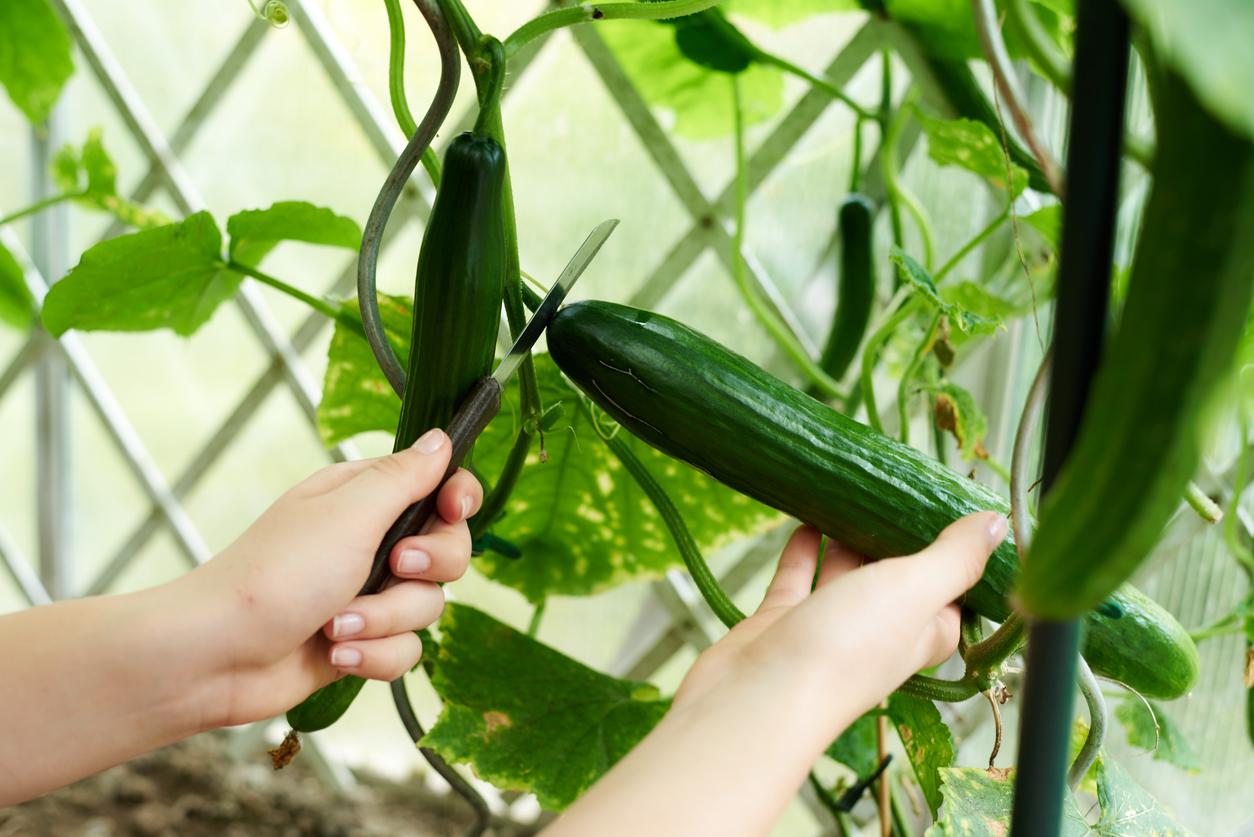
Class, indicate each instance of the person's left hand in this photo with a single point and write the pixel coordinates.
(292, 621)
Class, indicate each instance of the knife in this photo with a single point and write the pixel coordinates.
(482, 403)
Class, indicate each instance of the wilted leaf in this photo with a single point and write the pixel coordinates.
(972, 146)
(167, 277)
(978, 803)
(255, 232)
(927, 741)
(1151, 728)
(527, 717)
(35, 57)
(957, 413)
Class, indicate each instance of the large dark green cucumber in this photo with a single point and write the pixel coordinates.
(457, 314)
(696, 400)
(856, 288)
(1188, 297)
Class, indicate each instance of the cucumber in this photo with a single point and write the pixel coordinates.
(699, 402)
(857, 286)
(325, 706)
(1188, 297)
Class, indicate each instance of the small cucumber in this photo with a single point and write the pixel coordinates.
(857, 286)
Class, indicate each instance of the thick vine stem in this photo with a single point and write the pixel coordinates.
(396, 86)
(372, 235)
(1020, 484)
(1098, 717)
(587, 12)
(494, 502)
(1003, 76)
(483, 817)
(907, 377)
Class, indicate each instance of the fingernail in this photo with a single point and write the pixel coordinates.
(997, 529)
(345, 657)
(430, 442)
(413, 561)
(347, 624)
(466, 504)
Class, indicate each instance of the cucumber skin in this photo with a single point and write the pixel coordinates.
(458, 288)
(325, 706)
(1187, 302)
(699, 402)
(857, 286)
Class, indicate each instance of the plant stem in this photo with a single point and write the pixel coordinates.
(777, 328)
(724, 608)
(584, 13)
(396, 86)
(870, 353)
(1098, 717)
(903, 385)
(855, 164)
(976, 241)
(330, 309)
(39, 206)
(1036, 42)
(494, 502)
(949, 691)
(891, 172)
(883, 798)
(884, 119)
(537, 613)
(1206, 508)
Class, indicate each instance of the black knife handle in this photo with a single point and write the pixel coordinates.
(478, 408)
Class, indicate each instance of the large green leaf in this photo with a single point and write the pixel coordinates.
(1208, 41)
(971, 145)
(356, 398)
(1151, 728)
(91, 173)
(17, 306)
(167, 277)
(528, 717)
(699, 98)
(255, 232)
(35, 57)
(928, 742)
(582, 523)
(977, 804)
(1127, 809)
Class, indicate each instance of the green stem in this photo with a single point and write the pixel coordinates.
(985, 657)
(870, 354)
(975, 241)
(891, 172)
(777, 328)
(537, 613)
(907, 377)
(332, 310)
(463, 25)
(933, 688)
(855, 165)
(39, 206)
(494, 502)
(1226, 626)
(583, 13)
(396, 86)
(1206, 508)
(724, 608)
(1039, 46)
(1232, 520)
(884, 119)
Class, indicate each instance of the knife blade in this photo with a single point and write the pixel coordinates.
(481, 405)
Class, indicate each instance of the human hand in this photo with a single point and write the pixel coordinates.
(866, 628)
(292, 620)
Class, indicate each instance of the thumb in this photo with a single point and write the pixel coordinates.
(955, 560)
(382, 490)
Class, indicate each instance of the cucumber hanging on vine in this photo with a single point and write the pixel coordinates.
(856, 286)
(457, 314)
(697, 401)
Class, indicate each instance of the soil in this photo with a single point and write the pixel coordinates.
(196, 788)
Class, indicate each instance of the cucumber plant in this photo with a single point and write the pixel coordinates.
(640, 444)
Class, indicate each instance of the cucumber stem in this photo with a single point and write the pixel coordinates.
(775, 327)
(903, 385)
(396, 86)
(975, 241)
(1206, 508)
(871, 350)
(1232, 537)
(330, 309)
(583, 13)
(890, 170)
(884, 118)
(537, 614)
(1098, 717)
(39, 206)
(494, 502)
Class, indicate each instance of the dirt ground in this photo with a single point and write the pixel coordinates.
(195, 788)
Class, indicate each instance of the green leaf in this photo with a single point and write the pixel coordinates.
(977, 804)
(957, 413)
(528, 717)
(918, 277)
(1208, 41)
(976, 299)
(780, 13)
(927, 741)
(1047, 221)
(356, 398)
(92, 174)
(1127, 809)
(857, 747)
(699, 98)
(35, 57)
(1164, 739)
(255, 232)
(582, 522)
(169, 277)
(971, 145)
(17, 306)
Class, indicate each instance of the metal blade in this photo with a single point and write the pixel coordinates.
(548, 307)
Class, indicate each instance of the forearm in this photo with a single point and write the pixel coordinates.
(726, 764)
(93, 682)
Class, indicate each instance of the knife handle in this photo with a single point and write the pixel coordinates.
(478, 408)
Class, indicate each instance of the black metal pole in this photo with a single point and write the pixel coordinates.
(1095, 138)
